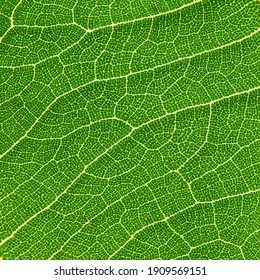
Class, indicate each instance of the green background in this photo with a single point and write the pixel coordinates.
(129, 129)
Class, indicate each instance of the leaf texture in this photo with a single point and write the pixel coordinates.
(129, 129)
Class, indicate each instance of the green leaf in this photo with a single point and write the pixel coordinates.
(129, 129)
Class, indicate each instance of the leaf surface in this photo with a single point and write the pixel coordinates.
(129, 129)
